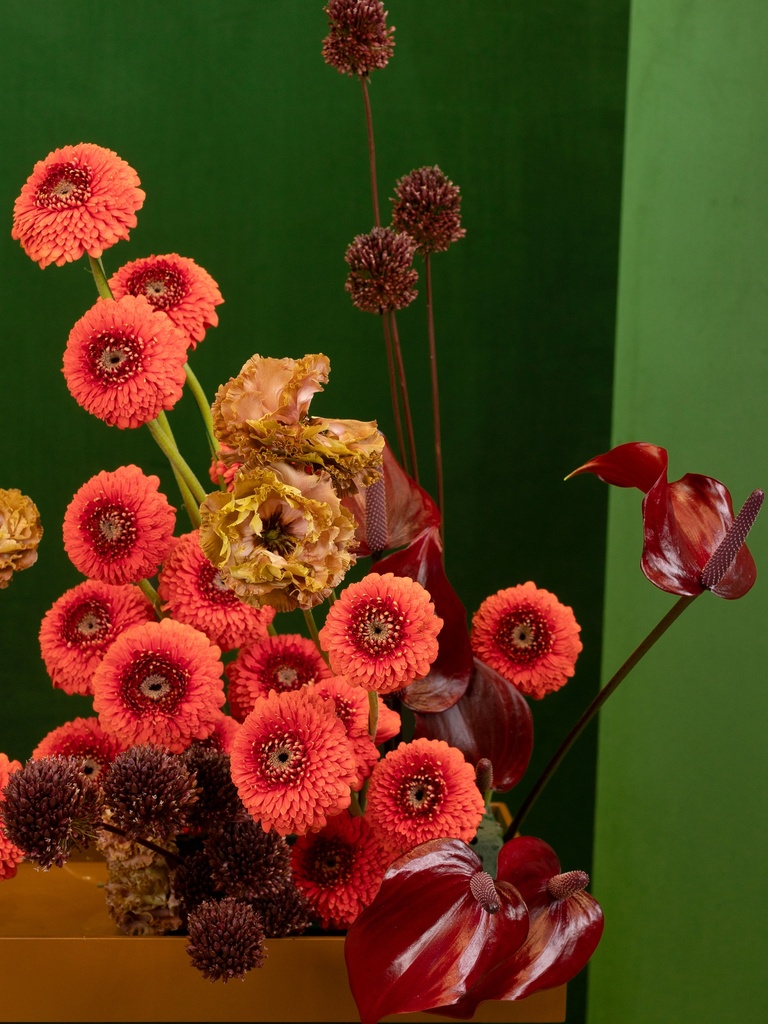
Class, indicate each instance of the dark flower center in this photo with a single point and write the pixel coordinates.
(284, 670)
(420, 794)
(377, 626)
(115, 356)
(64, 185)
(331, 862)
(153, 682)
(212, 587)
(523, 635)
(161, 284)
(283, 759)
(87, 624)
(111, 529)
(274, 536)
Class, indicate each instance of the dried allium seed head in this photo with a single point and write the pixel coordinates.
(247, 862)
(427, 206)
(225, 939)
(218, 801)
(149, 792)
(381, 275)
(359, 41)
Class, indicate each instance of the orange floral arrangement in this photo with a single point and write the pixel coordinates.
(320, 781)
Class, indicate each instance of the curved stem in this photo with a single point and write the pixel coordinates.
(658, 630)
(371, 151)
(312, 627)
(404, 391)
(435, 394)
(203, 405)
(171, 859)
(149, 591)
(97, 268)
(169, 449)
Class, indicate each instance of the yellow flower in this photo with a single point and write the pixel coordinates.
(281, 537)
(20, 533)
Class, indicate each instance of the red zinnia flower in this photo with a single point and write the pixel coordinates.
(124, 362)
(176, 286)
(118, 528)
(83, 738)
(423, 790)
(284, 662)
(528, 637)
(427, 207)
(10, 854)
(381, 273)
(382, 632)
(79, 199)
(292, 763)
(350, 704)
(193, 591)
(160, 683)
(80, 627)
(339, 869)
(359, 41)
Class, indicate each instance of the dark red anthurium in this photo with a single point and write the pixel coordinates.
(450, 673)
(684, 522)
(566, 924)
(492, 720)
(407, 509)
(437, 925)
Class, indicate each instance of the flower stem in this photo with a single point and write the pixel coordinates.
(371, 150)
(203, 405)
(165, 442)
(312, 627)
(435, 393)
(149, 591)
(404, 390)
(105, 292)
(171, 859)
(373, 713)
(658, 630)
(393, 391)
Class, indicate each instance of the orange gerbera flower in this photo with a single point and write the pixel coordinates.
(79, 199)
(528, 637)
(423, 790)
(83, 738)
(118, 528)
(281, 663)
(382, 632)
(160, 683)
(176, 286)
(10, 854)
(339, 869)
(124, 362)
(194, 591)
(350, 704)
(292, 763)
(81, 625)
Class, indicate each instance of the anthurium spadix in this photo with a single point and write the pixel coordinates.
(692, 540)
(437, 926)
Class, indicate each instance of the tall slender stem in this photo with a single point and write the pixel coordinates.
(177, 461)
(371, 151)
(404, 391)
(102, 285)
(203, 405)
(393, 391)
(149, 591)
(435, 392)
(658, 630)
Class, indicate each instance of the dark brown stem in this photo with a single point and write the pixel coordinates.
(658, 630)
(404, 391)
(371, 151)
(435, 393)
(171, 858)
(393, 391)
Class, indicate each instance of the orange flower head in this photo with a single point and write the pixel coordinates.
(79, 199)
(423, 790)
(10, 854)
(124, 362)
(176, 286)
(195, 592)
(160, 683)
(85, 739)
(382, 632)
(528, 637)
(118, 527)
(281, 663)
(350, 705)
(292, 763)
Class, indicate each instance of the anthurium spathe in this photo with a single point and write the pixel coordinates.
(437, 926)
(566, 924)
(684, 522)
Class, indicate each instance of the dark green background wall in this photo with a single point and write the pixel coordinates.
(252, 154)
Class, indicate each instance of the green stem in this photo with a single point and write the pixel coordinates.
(203, 405)
(149, 591)
(312, 627)
(658, 630)
(373, 713)
(435, 393)
(172, 453)
(105, 292)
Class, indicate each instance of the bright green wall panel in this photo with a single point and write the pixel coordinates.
(681, 832)
(252, 153)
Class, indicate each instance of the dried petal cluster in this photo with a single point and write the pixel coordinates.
(427, 206)
(381, 274)
(20, 533)
(359, 40)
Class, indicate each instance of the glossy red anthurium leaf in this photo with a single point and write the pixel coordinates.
(684, 522)
(565, 927)
(492, 720)
(450, 673)
(409, 509)
(426, 938)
